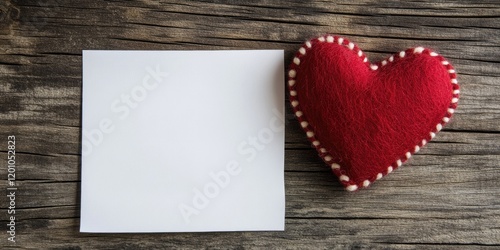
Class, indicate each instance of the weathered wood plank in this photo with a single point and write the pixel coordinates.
(444, 186)
(60, 161)
(445, 197)
(367, 233)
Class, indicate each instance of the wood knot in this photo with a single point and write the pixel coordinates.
(8, 14)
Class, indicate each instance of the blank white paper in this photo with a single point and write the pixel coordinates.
(182, 141)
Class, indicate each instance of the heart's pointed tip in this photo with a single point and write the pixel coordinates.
(351, 188)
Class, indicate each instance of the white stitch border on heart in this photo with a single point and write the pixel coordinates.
(327, 156)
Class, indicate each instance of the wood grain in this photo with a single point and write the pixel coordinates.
(446, 197)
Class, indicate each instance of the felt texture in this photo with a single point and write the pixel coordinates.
(366, 119)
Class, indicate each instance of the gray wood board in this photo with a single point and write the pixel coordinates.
(446, 196)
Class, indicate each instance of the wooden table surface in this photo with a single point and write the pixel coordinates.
(446, 196)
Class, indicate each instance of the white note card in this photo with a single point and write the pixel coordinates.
(182, 141)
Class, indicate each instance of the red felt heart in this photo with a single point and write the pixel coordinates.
(366, 119)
